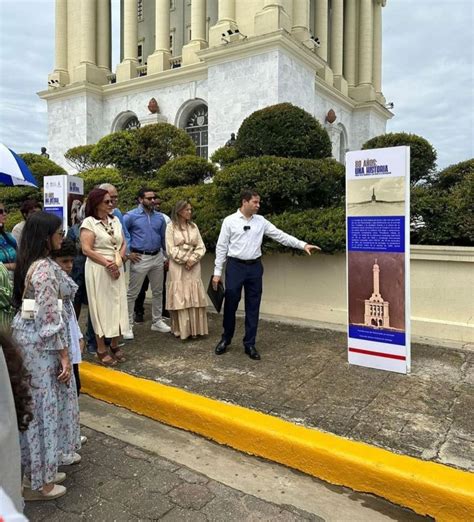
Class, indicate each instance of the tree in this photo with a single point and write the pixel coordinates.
(141, 152)
(283, 130)
(422, 153)
(41, 166)
(186, 170)
(80, 158)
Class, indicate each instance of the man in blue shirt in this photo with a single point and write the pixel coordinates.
(147, 229)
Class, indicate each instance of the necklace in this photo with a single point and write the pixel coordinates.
(109, 228)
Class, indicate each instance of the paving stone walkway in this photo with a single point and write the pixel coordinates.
(119, 482)
(304, 377)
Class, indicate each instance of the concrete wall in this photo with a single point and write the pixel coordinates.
(314, 289)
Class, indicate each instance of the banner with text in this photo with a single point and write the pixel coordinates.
(64, 197)
(378, 258)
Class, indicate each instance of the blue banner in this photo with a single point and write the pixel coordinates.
(376, 335)
(376, 234)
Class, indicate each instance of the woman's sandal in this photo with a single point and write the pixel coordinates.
(118, 354)
(106, 359)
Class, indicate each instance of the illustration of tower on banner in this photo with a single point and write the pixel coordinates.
(376, 309)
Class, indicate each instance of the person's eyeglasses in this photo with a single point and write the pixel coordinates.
(246, 227)
(108, 201)
(154, 198)
(3, 211)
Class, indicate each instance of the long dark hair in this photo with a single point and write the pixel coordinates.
(94, 199)
(35, 243)
(19, 380)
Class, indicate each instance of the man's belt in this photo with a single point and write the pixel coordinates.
(245, 261)
(145, 252)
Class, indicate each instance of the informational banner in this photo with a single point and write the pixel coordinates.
(378, 258)
(64, 197)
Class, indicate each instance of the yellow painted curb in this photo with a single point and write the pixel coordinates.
(426, 487)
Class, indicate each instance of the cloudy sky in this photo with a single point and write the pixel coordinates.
(428, 72)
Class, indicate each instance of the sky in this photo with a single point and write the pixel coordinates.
(427, 72)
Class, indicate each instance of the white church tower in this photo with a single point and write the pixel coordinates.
(211, 63)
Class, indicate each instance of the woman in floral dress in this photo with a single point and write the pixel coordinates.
(43, 344)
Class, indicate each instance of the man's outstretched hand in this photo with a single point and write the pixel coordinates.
(309, 249)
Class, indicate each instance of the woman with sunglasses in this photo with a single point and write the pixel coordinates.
(103, 243)
(43, 345)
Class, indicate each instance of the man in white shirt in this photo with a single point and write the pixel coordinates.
(240, 244)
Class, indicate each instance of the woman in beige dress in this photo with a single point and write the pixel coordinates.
(103, 243)
(185, 294)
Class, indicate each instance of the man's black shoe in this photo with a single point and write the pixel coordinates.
(221, 347)
(139, 318)
(251, 351)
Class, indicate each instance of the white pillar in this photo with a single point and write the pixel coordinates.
(198, 20)
(350, 43)
(337, 42)
(377, 47)
(160, 59)
(225, 22)
(61, 36)
(272, 17)
(128, 68)
(365, 42)
(198, 32)
(89, 40)
(300, 27)
(321, 25)
(104, 35)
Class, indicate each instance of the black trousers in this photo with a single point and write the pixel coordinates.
(249, 277)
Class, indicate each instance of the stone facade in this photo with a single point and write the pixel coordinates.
(232, 75)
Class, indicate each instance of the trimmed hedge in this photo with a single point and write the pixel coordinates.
(422, 153)
(94, 177)
(283, 183)
(325, 227)
(80, 158)
(283, 130)
(141, 152)
(41, 166)
(187, 170)
(225, 156)
(454, 174)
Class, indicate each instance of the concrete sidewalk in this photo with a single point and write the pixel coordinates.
(304, 377)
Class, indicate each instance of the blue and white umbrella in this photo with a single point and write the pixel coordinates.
(13, 170)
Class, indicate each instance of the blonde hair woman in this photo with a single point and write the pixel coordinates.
(185, 294)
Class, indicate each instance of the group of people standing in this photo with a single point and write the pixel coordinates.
(96, 253)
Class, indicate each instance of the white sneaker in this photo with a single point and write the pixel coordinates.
(128, 336)
(83, 440)
(60, 477)
(67, 460)
(160, 326)
(30, 495)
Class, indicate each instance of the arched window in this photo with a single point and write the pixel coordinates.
(196, 127)
(131, 123)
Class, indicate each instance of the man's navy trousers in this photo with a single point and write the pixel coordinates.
(246, 274)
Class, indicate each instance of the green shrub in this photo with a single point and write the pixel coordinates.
(454, 174)
(208, 213)
(325, 227)
(446, 214)
(225, 156)
(12, 197)
(283, 130)
(422, 153)
(41, 166)
(80, 158)
(116, 150)
(94, 177)
(284, 184)
(187, 170)
(12, 219)
(141, 152)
